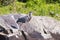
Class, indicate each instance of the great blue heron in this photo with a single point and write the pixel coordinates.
(25, 18)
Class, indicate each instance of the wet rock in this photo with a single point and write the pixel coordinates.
(38, 28)
(4, 27)
(42, 23)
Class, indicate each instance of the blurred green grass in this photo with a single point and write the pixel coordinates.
(40, 8)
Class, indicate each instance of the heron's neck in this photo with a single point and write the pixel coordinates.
(30, 14)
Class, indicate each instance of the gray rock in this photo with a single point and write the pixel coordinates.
(38, 28)
(4, 26)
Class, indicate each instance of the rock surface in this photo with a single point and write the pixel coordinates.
(38, 28)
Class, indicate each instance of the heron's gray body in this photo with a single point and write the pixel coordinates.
(25, 18)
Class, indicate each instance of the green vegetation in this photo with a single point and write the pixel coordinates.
(39, 7)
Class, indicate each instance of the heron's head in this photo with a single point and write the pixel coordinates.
(30, 14)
